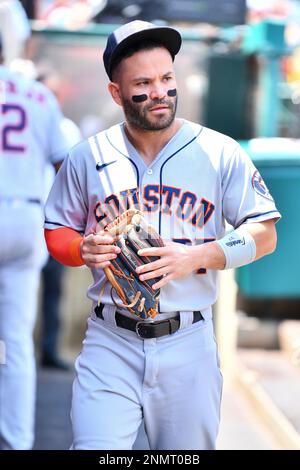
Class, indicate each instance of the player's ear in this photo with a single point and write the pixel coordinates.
(114, 90)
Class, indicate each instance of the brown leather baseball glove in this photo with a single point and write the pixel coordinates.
(133, 233)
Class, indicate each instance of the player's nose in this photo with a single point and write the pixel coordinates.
(158, 93)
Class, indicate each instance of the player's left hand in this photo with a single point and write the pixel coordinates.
(176, 261)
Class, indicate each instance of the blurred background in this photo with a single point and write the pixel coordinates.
(238, 73)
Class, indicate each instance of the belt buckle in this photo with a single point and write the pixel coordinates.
(138, 323)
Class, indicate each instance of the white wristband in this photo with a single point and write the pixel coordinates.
(239, 248)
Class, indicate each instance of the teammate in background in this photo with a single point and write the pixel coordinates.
(15, 30)
(189, 180)
(53, 272)
(54, 82)
(30, 137)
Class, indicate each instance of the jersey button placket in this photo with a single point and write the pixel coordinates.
(146, 179)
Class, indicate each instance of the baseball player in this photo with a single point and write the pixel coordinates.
(188, 180)
(30, 137)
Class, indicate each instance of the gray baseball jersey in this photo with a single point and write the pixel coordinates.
(198, 181)
(31, 136)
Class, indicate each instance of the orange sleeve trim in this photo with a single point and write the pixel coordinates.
(64, 245)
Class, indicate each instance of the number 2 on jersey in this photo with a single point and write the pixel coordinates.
(13, 122)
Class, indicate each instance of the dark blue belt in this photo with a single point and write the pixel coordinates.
(145, 329)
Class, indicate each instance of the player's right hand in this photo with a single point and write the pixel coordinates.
(97, 250)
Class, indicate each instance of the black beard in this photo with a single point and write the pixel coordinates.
(136, 115)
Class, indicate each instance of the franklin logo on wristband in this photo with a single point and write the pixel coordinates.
(239, 248)
(236, 242)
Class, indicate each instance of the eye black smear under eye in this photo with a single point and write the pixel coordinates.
(139, 98)
(172, 92)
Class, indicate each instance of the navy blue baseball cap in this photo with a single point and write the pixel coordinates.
(132, 33)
